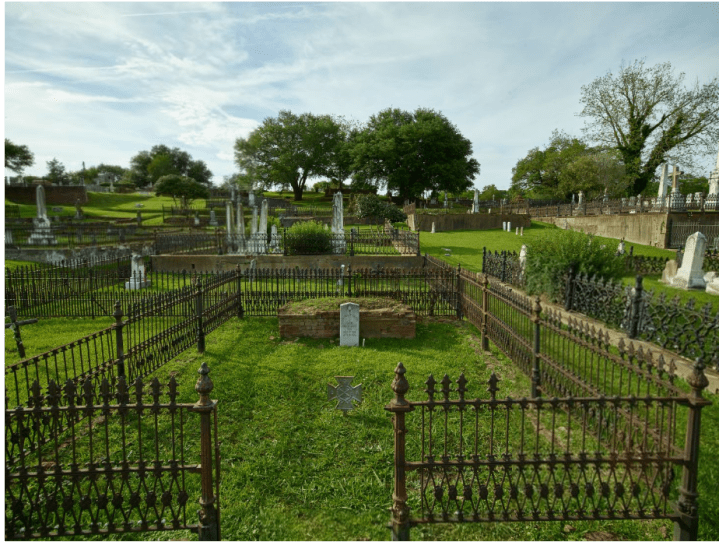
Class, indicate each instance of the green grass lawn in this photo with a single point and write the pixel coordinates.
(293, 467)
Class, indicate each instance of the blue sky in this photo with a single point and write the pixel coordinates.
(99, 82)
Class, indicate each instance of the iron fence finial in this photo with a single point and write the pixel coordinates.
(204, 386)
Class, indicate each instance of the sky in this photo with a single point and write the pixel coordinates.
(100, 82)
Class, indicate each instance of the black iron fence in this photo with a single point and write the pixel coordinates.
(74, 235)
(680, 231)
(129, 463)
(684, 328)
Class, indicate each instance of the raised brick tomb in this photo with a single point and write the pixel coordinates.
(379, 318)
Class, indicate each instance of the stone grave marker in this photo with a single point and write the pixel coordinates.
(620, 247)
(138, 278)
(690, 273)
(213, 218)
(433, 231)
(349, 324)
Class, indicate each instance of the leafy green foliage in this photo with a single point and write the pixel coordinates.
(308, 238)
(414, 152)
(566, 166)
(549, 260)
(56, 171)
(371, 206)
(184, 188)
(289, 149)
(17, 157)
(650, 118)
(146, 167)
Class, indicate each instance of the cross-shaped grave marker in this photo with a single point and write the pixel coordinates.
(344, 393)
(15, 326)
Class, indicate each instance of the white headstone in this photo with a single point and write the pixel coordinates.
(274, 239)
(581, 197)
(337, 213)
(516, 231)
(138, 278)
(240, 225)
(509, 226)
(253, 224)
(504, 226)
(263, 218)
(40, 201)
(432, 228)
(228, 213)
(522, 258)
(349, 324)
(664, 182)
(676, 198)
(213, 218)
(620, 247)
(475, 208)
(690, 274)
(251, 198)
(669, 272)
(521, 231)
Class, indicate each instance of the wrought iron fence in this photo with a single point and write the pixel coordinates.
(74, 235)
(126, 466)
(503, 265)
(572, 458)
(680, 232)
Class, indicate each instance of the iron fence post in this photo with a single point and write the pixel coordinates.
(349, 280)
(686, 527)
(209, 525)
(504, 266)
(569, 290)
(419, 252)
(284, 240)
(352, 242)
(118, 340)
(459, 293)
(636, 307)
(198, 315)
(399, 406)
(484, 259)
(484, 281)
(240, 308)
(536, 375)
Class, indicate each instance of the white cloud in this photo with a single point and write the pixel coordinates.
(506, 74)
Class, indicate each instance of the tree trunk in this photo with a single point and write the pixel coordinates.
(297, 189)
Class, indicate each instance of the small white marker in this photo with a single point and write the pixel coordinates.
(362, 343)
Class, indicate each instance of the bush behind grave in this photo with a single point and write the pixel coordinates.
(308, 238)
(550, 258)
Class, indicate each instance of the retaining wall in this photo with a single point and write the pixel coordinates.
(374, 324)
(54, 195)
(472, 221)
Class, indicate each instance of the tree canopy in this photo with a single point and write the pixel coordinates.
(413, 152)
(146, 167)
(17, 157)
(56, 171)
(179, 186)
(650, 118)
(566, 166)
(288, 150)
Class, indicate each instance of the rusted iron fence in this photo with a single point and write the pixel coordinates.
(680, 231)
(684, 328)
(609, 449)
(593, 457)
(128, 463)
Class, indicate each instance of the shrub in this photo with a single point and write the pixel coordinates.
(550, 258)
(308, 238)
(370, 206)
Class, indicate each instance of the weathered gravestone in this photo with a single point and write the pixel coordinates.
(138, 278)
(690, 274)
(433, 230)
(213, 218)
(349, 324)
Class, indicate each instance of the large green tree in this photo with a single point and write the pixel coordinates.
(178, 186)
(288, 150)
(146, 167)
(538, 174)
(17, 157)
(56, 171)
(649, 116)
(413, 152)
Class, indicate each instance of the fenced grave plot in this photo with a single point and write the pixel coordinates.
(428, 292)
(492, 460)
(129, 463)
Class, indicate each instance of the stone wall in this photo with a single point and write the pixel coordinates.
(39, 255)
(54, 195)
(472, 221)
(374, 324)
(176, 263)
(644, 228)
